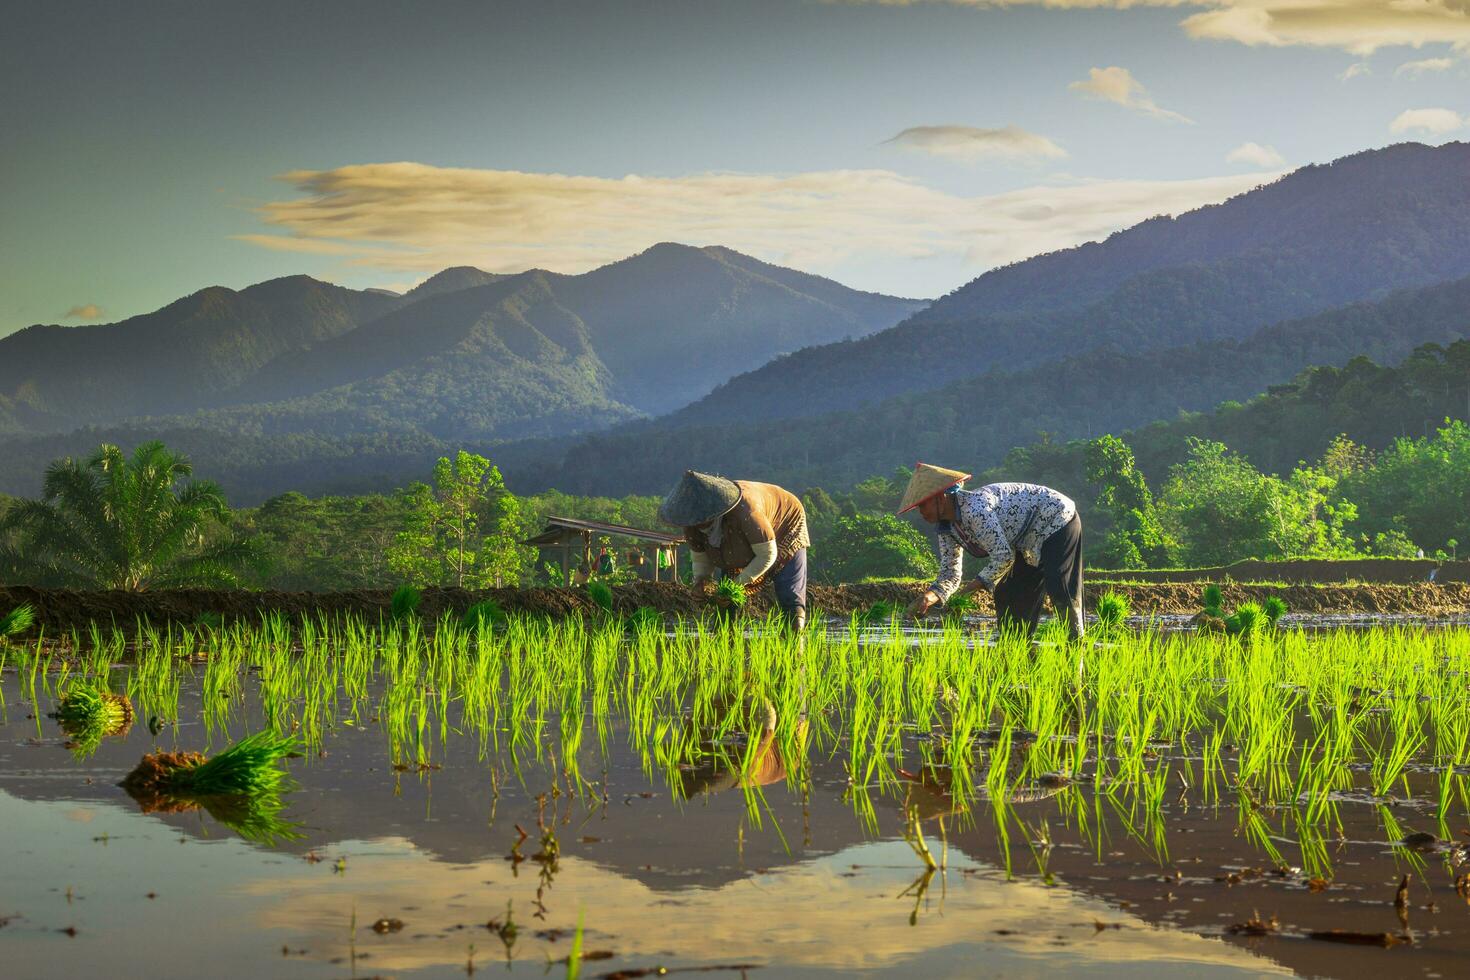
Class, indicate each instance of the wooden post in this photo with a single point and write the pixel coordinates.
(566, 564)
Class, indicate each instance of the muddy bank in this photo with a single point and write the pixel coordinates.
(64, 609)
(1308, 571)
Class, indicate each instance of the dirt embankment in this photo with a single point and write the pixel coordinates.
(64, 609)
(1307, 571)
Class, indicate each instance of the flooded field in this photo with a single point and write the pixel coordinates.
(611, 797)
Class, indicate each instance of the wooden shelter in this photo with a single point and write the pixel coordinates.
(569, 533)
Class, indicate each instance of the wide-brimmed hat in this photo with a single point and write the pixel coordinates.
(698, 498)
(928, 481)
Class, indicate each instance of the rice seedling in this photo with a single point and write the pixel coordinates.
(249, 766)
(17, 621)
(1247, 620)
(404, 602)
(485, 615)
(1275, 608)
(881, 613)
(1213, 599)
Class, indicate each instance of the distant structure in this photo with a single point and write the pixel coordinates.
(653, 554)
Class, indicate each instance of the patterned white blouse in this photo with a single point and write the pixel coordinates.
(990, 520)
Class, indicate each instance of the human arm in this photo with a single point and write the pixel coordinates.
(765, 557)
(951, 557)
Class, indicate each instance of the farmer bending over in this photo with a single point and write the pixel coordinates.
(749, 530)
(1030, 536)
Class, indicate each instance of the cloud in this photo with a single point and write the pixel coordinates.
(1417, 69)
(1114, 84)
(1435, 121)
(1359, 26)
(969, 143)
(1354, 70)
(412, 218)
(1256, 155)
(87, 311)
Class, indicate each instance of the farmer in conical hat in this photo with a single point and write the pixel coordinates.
(1029, 536)
(752, 531)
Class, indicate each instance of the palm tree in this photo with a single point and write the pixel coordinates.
(115, 522)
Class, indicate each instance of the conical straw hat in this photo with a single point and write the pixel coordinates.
(928, 481)
(698, 498)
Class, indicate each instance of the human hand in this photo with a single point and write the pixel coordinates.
(920, 607)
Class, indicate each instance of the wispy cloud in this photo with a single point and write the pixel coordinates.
(1255, 155)
(1354, 70)
(969, 143)
(1360, 26)
(1424, 66)
(414, 218)
(86, 311)
(1435, 121)
(1114, 84)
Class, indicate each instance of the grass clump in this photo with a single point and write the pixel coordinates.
(485, 615)
(645, 620)
(248, 766)
(601, 594)
(1214, 598)
(17, 621)
(881, 613)
(958, 607)
(1112, 611)
(405, 601)
(89, 714)
(1247, 620)
(1275, 608)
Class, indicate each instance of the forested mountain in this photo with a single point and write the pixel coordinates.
(974, 422)
(1319, 238)
(174, 359)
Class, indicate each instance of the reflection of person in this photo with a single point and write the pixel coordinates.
(716, 773)
(748, 530)
(1029, 535)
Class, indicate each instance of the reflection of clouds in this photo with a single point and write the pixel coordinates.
(814, 914)
(415, 218)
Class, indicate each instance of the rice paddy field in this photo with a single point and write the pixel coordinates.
(609, 796)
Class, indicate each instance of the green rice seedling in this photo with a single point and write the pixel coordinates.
(601, 594)
(1247, 620)
(249, 766)
(85, 705)
(1213, 599)
(485, 615)
(17, 621)
(958, 607)
(880, 613)
(731, 591)
(1275, 608)
(645, 620)
(1112, 611)
(405, 602)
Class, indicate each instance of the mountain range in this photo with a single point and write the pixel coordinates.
(616, 380)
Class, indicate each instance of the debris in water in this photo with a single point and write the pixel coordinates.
(1384, 939)
(1255, 926)
(387, 925)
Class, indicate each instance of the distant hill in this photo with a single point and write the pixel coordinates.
(973, 423)
(1321, 237)
(174, 359)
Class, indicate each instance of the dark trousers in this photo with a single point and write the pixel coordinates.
(1019, 596)
(790, 584)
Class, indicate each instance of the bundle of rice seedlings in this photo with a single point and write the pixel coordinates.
(484, 615)
(17, 621)
(732, 590)
(958, 607)
(85, 706)
(1248, 619)
(1214, 597)
(880, 613)
(245, 768)
(1275, 608)
(405, 601)
(1112, 611)
(645, 620)
(601, 594)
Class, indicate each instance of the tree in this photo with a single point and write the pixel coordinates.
(118, 522)
(1419, 486)
(1136, 539)
(463, 531)
(867, 546)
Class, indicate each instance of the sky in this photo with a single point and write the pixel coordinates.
(150, 149)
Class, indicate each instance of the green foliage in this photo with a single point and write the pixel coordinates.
(463, 531)
(732, 591)
(1112, 611)
(405, 602)
(880, 613)
(17, 621)
(1213, 598)
(1248, 619)
(326, 544)
(1136, 539)
(866, 546)
(601, 594)
(645, 620)
(958, 607)
(484, 615)
(1418, 488)
(120, 522)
